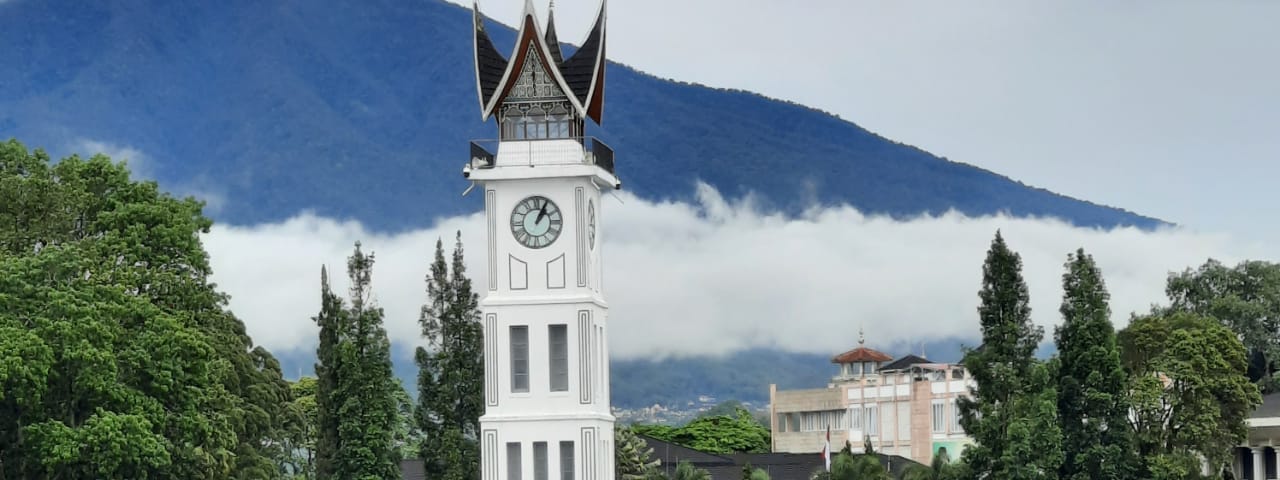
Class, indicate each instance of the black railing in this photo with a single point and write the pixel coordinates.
(602, 154)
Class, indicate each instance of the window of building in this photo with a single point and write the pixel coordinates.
(955, 417)
(539, 460)
(939, 417)
(566, 460)
(558, 335)
(855, 417)
(873, 420)
(513, 461)
(520, 358)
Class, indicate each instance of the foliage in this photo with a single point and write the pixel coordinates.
(1188, 395)
(1246, 299)
(1013, 410)
(300, 431)
(940, 468)
(686, 471)
(118, 357)
(845, 466)
(739, 433)
(1092, 401)
(356, 392)
(632, 455)
(451, 373)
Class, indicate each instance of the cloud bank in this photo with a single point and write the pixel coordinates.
(715, 276)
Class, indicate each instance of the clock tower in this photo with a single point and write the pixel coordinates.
(546, 373)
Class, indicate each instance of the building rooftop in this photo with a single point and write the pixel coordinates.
(905, 362)
(861, 354)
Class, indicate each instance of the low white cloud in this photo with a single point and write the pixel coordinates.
(715, 276)
(137, 161)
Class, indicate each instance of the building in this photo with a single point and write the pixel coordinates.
(779, 466)
(545, 318)
(1258, 458)
(905, 407)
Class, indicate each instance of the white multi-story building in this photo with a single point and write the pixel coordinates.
(545, 319)
(905, 407)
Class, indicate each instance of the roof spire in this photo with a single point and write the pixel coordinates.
(553, 43)
(862, 339)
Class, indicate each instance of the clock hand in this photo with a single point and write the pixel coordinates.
(541, 213)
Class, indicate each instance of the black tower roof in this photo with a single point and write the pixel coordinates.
(581, 76)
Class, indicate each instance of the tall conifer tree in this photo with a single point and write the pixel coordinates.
(1012, 415)
(1092, 402)
(451, 373)
(356, 393)
(327, 378)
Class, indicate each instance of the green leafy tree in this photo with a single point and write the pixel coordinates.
(120, 358)
(451, 371)
(633, 457)
(356, 389)
(1245, 298)
(940, 468)
(1013, 403)
(1188, 395)
(301, 423)
(739, 433)
(846, 466)
(1092, 386)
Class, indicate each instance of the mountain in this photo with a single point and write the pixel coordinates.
(364, 110)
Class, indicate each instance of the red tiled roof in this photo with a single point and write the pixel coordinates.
(861, 354)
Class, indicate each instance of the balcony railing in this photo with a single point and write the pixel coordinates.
(559, 151)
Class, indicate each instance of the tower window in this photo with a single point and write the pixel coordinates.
(513, 461)
(559, 339)
(520, 359)
(540, 461)
(566, 460)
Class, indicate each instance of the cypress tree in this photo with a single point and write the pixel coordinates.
(1007, 411)
(1092, 404)
(355, 397)
(451, 373)
(327, 378)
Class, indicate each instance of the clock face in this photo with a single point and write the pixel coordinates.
(536, 222)
(591, 224)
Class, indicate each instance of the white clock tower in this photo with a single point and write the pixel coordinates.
(546, 384)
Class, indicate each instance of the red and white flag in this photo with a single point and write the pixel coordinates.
(826, 449)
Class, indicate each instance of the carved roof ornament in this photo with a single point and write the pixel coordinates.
(581, 76)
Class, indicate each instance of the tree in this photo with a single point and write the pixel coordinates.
(451, 372)
(301, 423)
(721, 434)
(1189, 397)
(845, 466)
(686, 471)
(1246, 299)
(356, 391)
(1008, 407)
(632, 455)
(1092, 386)
(939, 469)
(120, 359)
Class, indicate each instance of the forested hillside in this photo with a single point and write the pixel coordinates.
(364, 110)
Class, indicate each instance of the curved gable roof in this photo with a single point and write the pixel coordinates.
(581, 77)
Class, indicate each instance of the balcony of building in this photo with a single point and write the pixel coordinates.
(488, 154)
